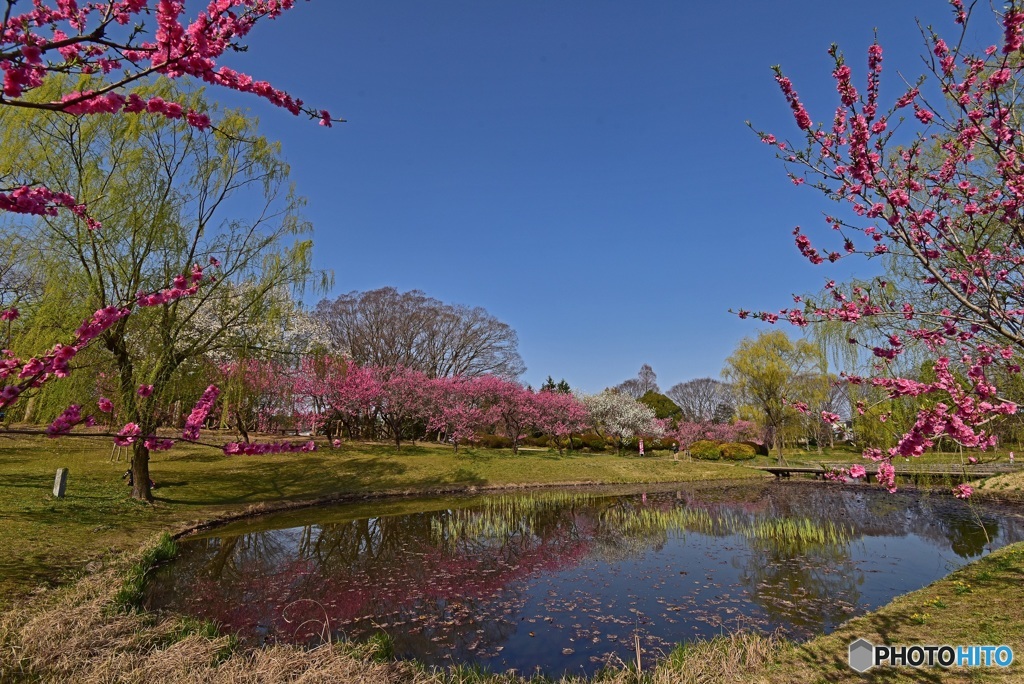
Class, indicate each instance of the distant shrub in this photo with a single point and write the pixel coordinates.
(737, 451)
(705, 450)
(591, 441)
(495, 442)
(534, 441)
(633, 444)
(759, 449)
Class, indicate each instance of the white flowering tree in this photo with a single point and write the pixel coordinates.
(619, 415)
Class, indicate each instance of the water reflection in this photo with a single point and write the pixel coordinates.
(563, 581)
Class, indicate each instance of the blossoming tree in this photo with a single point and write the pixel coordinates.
(620, 416)
(561, 415)
(935, 183)
(457, 409)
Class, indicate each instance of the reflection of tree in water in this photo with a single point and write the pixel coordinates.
(936, 517)
(807, 591)
(967, 529)
(454, 582)
(455, 593)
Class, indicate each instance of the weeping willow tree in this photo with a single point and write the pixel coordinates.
(767, 373)
(169, 197)
(878, 419)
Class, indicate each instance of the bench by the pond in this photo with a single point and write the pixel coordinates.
(914, 471)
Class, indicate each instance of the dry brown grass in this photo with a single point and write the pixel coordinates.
(72, 635)
(737, 657)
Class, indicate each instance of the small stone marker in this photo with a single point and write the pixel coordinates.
(60, 483)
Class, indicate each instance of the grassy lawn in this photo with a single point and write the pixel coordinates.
(48, 540)
(850, 455)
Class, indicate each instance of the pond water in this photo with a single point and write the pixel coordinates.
(566, 581)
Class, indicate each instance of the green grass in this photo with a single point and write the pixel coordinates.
(49, 540)
(982, 603)
(129, 596)
(847, 454)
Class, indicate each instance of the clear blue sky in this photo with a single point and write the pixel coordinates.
(579, 169)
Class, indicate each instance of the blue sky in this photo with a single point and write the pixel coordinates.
(581, 170)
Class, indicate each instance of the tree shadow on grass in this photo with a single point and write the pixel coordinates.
(205, 457)
(464, 476)
(164, 484)
(305, 479)
(829, 660)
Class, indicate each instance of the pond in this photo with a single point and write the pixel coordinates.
(568, 580)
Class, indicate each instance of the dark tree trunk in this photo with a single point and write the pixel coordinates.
(240, 425)
(140, 472)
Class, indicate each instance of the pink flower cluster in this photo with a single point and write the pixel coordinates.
(197, 417)
(963, 491)
(803, 119)
(128, 434)
(183, 286)
(37, 201)
(55, 363)
(69, 418)
(101, 320)
(154, 443)
(840, 474)
(256, 449)
(887, 476)
(105, 405)
(90, 102)
(80, 41)
(145, 391)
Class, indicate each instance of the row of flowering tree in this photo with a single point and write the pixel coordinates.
(686, 433)
(402, 402)
(326, 394)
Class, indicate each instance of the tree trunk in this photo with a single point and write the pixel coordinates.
(240, 425)
(140, 472)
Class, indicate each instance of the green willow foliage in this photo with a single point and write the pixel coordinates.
(168, 196)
